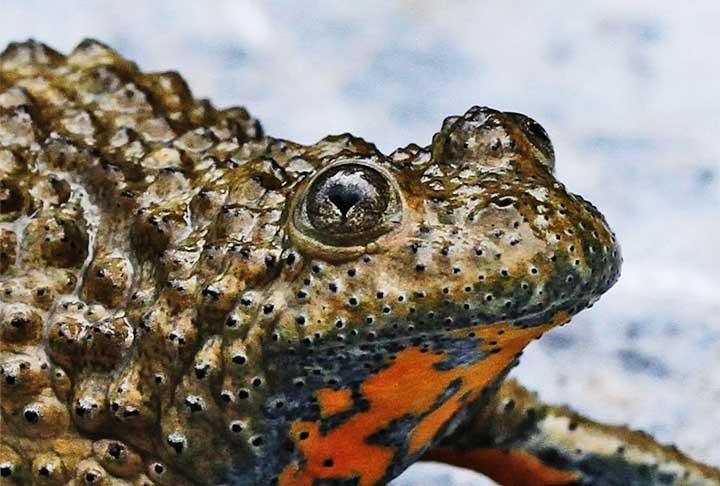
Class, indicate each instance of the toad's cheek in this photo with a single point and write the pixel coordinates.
(393, 416)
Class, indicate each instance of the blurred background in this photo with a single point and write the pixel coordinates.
(628, 91)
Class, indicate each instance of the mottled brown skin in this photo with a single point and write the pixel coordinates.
(188, 301)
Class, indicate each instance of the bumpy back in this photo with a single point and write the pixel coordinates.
(121, 199)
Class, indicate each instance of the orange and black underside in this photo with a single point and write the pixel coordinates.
(507, 467)
(370, 433)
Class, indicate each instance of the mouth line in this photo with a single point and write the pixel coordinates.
(415, 333)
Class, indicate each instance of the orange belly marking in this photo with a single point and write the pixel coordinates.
(411, 385)
(512, 468)
(333, 402)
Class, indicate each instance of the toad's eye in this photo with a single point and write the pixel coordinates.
(348, 204)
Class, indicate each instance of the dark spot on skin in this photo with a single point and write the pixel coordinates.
(193, 403)
(176, 443)
(115, 449)
(201, 372)
(31, 416)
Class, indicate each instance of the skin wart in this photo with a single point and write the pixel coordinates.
(186, 300)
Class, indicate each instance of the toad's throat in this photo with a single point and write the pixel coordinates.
(406, 405)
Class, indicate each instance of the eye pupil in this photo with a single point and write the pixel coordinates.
(349, 204)
(344, 197)
(347, 200)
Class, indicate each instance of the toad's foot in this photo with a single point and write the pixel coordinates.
(519, 440)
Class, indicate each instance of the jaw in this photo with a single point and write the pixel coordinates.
(389, 400)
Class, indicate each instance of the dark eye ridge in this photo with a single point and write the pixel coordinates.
(348, 205)
(536, 133)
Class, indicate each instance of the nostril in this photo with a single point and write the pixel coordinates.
(344, 197)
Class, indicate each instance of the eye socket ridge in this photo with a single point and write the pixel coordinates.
(349, 203)
(536, 135)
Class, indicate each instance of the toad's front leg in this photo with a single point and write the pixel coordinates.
(519, 440)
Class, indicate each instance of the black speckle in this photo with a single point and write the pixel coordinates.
(194, 404)
(115, 449)
(176, 444)
(31, 416)
(201, 371)
(211, 292)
